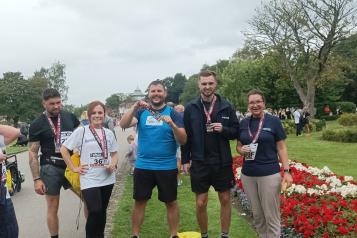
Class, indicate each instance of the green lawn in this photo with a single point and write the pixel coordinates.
(155, 225)
(340, 157)
(12, 149)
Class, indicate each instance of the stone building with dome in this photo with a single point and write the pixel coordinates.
(132, 98)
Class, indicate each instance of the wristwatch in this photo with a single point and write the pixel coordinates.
(287, 171)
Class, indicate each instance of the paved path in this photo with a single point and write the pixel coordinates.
(31, 208)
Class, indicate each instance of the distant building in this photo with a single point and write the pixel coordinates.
(137, 94)
(133, 97)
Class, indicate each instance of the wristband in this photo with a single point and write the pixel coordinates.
(36, 179)
(287, 171)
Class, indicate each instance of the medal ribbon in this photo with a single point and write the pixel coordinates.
(209, 112)
(155, 114)
(56, 130)
(260, 127)
(102, 143)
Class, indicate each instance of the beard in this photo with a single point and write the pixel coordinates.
(157, 103)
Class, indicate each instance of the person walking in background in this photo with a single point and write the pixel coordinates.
(99, 157)
(261, 141)
(8, 222)
(48, 132)
(304, 120)
(210, 122)
(160, 128)
(109, 121)
(297, 116)
(132, 153)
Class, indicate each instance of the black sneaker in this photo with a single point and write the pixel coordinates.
(174, 237)
(134, 237)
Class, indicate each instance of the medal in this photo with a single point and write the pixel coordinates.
(209, 126)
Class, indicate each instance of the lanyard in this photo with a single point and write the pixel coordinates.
(260, 126)
(56, 130)
(155, 114)
(102, 143)
(209, 112)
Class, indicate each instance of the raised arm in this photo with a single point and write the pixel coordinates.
(9, 133)
(128, 119)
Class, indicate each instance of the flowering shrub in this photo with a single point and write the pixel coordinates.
(318, 204)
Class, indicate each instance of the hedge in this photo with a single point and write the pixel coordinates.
(348, 119)
(341, 135)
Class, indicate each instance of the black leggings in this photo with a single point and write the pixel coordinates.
(97, 200)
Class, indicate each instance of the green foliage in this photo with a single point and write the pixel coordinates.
(55, 76)
(115, 100)
(190, 90)
(264, 73)
(347, 49)
(348, 119)
(329, 118)
(348, 135)
(175, 86)
(20, 98)
(289, 126)
(319, 124)
(347, 107)
(314, 125)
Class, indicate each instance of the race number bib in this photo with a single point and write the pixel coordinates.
(253, 151)
(64, 136)
(96, 160)
(151, 121)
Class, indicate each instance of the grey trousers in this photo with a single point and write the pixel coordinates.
(264, 196)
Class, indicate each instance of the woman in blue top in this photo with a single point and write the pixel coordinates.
(262, 143)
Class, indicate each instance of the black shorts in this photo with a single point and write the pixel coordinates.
(203, 176)
(165, 180)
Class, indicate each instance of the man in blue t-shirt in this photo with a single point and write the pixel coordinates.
(160, 128)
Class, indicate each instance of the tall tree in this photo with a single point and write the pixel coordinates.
(303, 33)
(115, 100)
(190, 90)
(55, 77)
(174, 87)
(19, 98)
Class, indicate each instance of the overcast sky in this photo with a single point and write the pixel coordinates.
(113, 46)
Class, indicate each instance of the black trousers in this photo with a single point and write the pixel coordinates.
(97, 200)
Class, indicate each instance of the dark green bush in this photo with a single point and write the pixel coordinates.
(348, 119)
(319, 124)
(289, 126)
(346, 107)
(314, 125)
(340, 135)
(329, 118)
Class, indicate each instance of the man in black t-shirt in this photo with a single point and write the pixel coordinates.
(210, 122)
(48, 132)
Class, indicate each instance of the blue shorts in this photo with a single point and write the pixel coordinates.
(8, 222)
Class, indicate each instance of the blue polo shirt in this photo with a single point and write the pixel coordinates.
(156, 142)
(266, 160)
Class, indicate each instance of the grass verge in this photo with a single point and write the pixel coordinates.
(155, 225)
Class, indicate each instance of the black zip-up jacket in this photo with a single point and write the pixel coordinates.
(195, 128)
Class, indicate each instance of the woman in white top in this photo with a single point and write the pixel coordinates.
(98, 148)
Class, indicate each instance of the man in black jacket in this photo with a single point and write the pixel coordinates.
(210, 122)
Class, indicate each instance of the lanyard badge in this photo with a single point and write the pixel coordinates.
(254, 146)
(209, 126)
(56, 130)
(102, 143)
